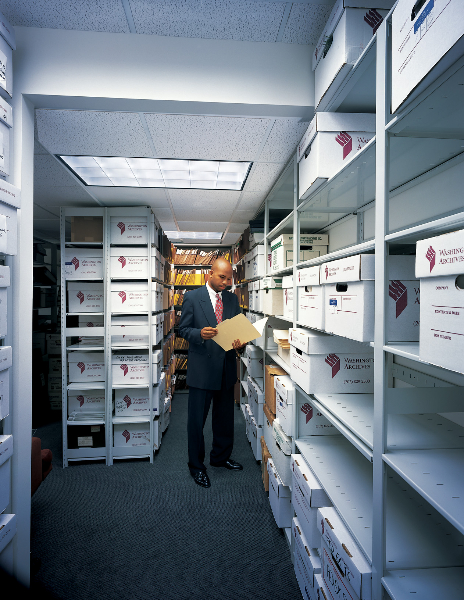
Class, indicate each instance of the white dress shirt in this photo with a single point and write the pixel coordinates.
(213, 296)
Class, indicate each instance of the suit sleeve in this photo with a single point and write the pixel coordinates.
(237, 309)
(186, 329)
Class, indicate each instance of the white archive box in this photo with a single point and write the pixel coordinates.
(130, 368)
(281, 450)
(159, 395)
(248, 416)
(257, 262)
(440, 267)
(279, 497)
(307, 516)
(5, 133)
(320, 589)
(330, 364)
(287, 286)
(282, 254)
(11, 219)
(130, 297)
(4, 283)
(312, 490)
(6, 451)
(311, 304)
(6, 360)
(272, 299)
(157, 433)
(128, 230)
(309, 556)
(7, 530)
(85, 296)
(256, 432)
(268, 432)
(83, 263)
(348, 31)
(86, 367)
(129, 435)
(427, 37)
(345, 552)
(334, 578)
(86, 401)
(350, 300)
(133, 402)
(129, 263)
(91, 321)
(334, 140)
(305, 583)
(129, 330)
(256, 399)
(157, 362)
(255, 361)
(6, 68)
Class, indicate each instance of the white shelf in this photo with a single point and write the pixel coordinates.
(430, 228)
(407, 349)
(277, 359)
(86, 422)
(83, 244)
(437, 475)
(81, 347)
(245, 386)
(408, 432)
(415, 537)
(130, 385)
(85, 314)
(349, 251)
(130, 347)
(71, 280)
(285, 224)
(95, 385)
(429, 584)
(86, 453)
(279, 272)
(121, 420)
(282, 318)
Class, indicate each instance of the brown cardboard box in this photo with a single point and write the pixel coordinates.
(270, 415)
(266, 455)
(270, 372)
(86, 229)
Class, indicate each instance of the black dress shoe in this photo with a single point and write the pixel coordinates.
(230, 464)
(201, 478)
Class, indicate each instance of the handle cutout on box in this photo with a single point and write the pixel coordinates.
(307, 551)
(298, 351)
(460, 282)
(416, 8)
(329, 523)
(328, 43)
(347, 551)
(341, 287)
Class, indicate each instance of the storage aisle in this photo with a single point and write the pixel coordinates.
(140, 531)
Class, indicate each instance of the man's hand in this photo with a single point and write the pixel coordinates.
(237, 345)
(208, 333)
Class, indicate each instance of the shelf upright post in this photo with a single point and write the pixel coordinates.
(381, 274)
(266, 241)
(107, 340)
(151, 233)
(296, 260)
(64, 378)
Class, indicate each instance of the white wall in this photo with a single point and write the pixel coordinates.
(109, 65)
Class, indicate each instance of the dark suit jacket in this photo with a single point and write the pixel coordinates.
(206, 358)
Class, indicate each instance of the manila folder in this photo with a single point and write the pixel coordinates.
(237, 328)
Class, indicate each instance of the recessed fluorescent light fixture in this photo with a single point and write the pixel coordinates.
(116, 171)
(190, 235)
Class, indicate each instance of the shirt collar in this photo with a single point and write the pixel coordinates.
(212, 293)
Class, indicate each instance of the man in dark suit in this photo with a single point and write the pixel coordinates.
(211, 371)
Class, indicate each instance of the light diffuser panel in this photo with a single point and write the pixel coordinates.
(118, 171)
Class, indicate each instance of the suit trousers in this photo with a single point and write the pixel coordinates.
(199, 403)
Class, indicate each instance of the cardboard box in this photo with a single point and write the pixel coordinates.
(281, 451)
(324, 363)
(282, 252)
(283, 345)
(320, 588)
(132, 402)
(332, 140)
(86, 401)
(157, 362)
(271, 371)
(6, 67)
(84, 296)
(55, 383)
(311, 303)
(159, 394)
(266, 455)
(279, 497)
(86, 367)
(4, 283)
(255, 438)
(131, 435)
(307, 516)
(310, 422)
(53, 343)
(345, 552)
(268, 432)
(255, 361)
(129, 263)
(334, 578)
(302, 576)
(256, 399)
(91, 321)
(86, 229)
(309, 556)
(348, 34)
(130, 297)
(5, 133)
(128, 230)
(4, 483)
(9, 227)
(254, 263)
(248, 416)
(423, 45)
(83, 263)
(287, 286)
(350, 300)
(440, 266)
(311, 489)
(6, 448)
(130, 368)
(272, 301)
(7, 530)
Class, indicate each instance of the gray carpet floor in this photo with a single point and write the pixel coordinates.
(148, 532)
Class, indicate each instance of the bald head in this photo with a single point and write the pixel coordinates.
(220, 275)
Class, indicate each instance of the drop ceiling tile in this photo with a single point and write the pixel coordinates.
(230, 238)
(168, 226)
(84, 15)
(207, 138)
(112, 196)
(242, 216)
(163, 214)
(214, 19)
(263, 176)
(202, 226)
(38, 148)
(62, 196)
(283, 140)
(202, 215)
(203, 199)
(94, 133)
(46, 213)
(49, 172)
(238, 227)
(251, 200)
(305, 23)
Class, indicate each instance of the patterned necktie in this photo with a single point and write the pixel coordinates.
(218, 309)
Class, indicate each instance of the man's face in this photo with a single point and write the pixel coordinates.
(220, 277)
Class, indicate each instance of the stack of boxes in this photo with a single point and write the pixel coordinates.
(311, 246)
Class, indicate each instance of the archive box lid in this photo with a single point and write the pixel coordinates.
(441, 255)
